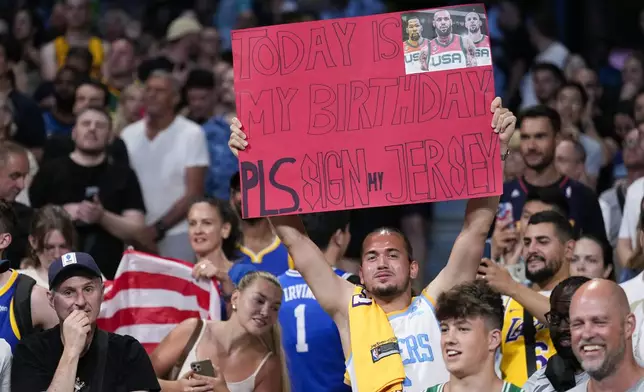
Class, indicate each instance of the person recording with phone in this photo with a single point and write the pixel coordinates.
(241, 354)
(540, 128)
(507, 245)
(76, 355)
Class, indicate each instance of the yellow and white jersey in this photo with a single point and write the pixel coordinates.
(419, 340)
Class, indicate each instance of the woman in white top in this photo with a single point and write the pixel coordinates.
(52, 235)
(245, 350)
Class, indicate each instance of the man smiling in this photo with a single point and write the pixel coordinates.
(601, 329)
(563, 370)
(471, 320)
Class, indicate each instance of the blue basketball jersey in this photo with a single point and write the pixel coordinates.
(310, 338)
(8, 325)
(274, 258)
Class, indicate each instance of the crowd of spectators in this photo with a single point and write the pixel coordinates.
(115, 121)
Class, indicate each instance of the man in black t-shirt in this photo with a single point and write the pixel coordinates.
(89, 93)
(102, 197)
(76, 355)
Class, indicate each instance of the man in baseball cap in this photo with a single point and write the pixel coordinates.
(70, 265)
(74, 356)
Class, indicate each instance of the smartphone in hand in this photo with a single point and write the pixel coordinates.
(203, 368)
(505, 214)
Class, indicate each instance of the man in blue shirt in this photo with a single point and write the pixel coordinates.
(206, 108)
(259, 246)
(539, 127)
(310, 338)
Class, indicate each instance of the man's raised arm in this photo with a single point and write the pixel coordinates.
(331, 291)
(479, 214)
(470, 52)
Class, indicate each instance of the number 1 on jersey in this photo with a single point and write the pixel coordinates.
(300, 322)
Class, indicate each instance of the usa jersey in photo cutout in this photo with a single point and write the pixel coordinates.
(415, 55)
(483, 53)
(452, 55)
(454, 38)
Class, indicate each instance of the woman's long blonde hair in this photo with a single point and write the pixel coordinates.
(273, 338)
(119, 121)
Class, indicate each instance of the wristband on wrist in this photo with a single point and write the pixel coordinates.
(161, 230)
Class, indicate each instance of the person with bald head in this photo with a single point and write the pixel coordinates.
(448, 50)
(601, 329)
(474, 24)
(563, 371)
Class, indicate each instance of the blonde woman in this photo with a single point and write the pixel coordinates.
(130, 108)
(52, 235)
(245, 350)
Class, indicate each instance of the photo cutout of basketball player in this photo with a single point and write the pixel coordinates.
(445, 39)
(414, 45)
(473, 24)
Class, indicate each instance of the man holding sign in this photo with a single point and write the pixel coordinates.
(391, 339)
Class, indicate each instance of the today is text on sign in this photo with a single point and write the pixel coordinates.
(374, 111)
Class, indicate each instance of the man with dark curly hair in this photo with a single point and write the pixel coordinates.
(471, 320)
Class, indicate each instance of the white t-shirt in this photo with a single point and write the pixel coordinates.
(634, 289)
(556, 54)
(631, 215)
(23, 196)
(593, 154)
(160, 164)
(5, 366)
(612, 214)
(583, 387)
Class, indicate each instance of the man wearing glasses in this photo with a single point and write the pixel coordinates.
(563, 370)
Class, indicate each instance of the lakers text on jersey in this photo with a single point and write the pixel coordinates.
(514, 366)
(418, 333)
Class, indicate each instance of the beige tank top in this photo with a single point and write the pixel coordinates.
(247, 385)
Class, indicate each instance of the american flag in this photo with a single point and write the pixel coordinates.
(150, 295)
